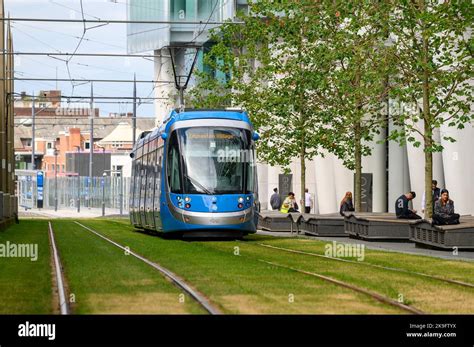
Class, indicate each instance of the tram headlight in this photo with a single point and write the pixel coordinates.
(187, 199)
(240, 205)
(187, 205)
(240, 200)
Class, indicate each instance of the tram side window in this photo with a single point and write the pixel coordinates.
(159, 154)
(151, 178)
(251, 173)
(137, 182)
(174, 178)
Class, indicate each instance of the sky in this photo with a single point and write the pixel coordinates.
(64, 37)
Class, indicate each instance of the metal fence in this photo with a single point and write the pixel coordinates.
(110, 192)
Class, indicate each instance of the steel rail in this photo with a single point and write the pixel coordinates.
(63, 304)
(369, 293)
(464, 284)
(200, 298)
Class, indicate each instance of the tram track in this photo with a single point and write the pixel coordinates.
(63, 303)
(205, 303)
(371, 294)
(389, 268)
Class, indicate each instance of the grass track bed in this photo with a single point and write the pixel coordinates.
(105, 280)
(240, 284)
(25, 285)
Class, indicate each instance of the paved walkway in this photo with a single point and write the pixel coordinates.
(70, 213)
(403, 247)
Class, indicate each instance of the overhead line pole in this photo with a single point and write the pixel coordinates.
(33, 114)
(134, 111)
(91, 144)
(3, 139)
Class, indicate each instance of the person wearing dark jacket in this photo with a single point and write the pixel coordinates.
(275, 200)
(401, 207)
(444, 210)
(346, 204)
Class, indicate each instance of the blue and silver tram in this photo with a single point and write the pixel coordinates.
(196, 174)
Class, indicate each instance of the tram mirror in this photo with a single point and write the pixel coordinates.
(132, 155)
(164, 136)
(255, 136)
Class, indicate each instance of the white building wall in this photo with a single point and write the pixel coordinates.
(325, 184)
(399, 174)
(166, 91)
(328, 180)
(123, 160)
(458, 160)
(375, 164)
(343, 180)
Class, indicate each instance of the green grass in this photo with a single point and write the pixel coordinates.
(25, 285)
(429, 295)
(452, 269)
(241, 284)
(103, 279)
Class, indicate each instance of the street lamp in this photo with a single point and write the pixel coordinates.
(56, 152)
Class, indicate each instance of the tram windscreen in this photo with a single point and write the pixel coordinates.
(217, 160)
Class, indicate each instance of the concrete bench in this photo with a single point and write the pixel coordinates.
(276, 221)
(331, 224)
(444, 236)
(377, 226)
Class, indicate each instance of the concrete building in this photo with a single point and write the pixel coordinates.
(165, 39)
(68, 131)
(390, 171)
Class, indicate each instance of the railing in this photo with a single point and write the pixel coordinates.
(74, 191)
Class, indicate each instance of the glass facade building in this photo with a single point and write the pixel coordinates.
(146, 37)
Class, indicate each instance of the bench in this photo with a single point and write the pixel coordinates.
(444, 236)
(276, 221)
(331, 224)
(377, 226)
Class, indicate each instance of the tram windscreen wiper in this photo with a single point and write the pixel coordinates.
(199, 185)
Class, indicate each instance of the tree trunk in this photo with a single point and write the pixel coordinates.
(358, 149)
(302, 163)
(358, 167)
(428, 136)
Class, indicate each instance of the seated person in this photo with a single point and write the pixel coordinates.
(444, 210)
(346, 204)
(401, 207)
(289, 204)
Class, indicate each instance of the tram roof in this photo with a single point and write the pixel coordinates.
(208, 114)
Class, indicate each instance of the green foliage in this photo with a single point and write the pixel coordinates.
(433, 42)
(278, 66)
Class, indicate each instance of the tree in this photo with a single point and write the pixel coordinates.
(276, 66)
(357, 81)
(434, 50)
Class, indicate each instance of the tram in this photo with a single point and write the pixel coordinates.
(195, 174)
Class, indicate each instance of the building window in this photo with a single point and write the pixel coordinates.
(87, 145)
(63, 168)
(49, 145)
